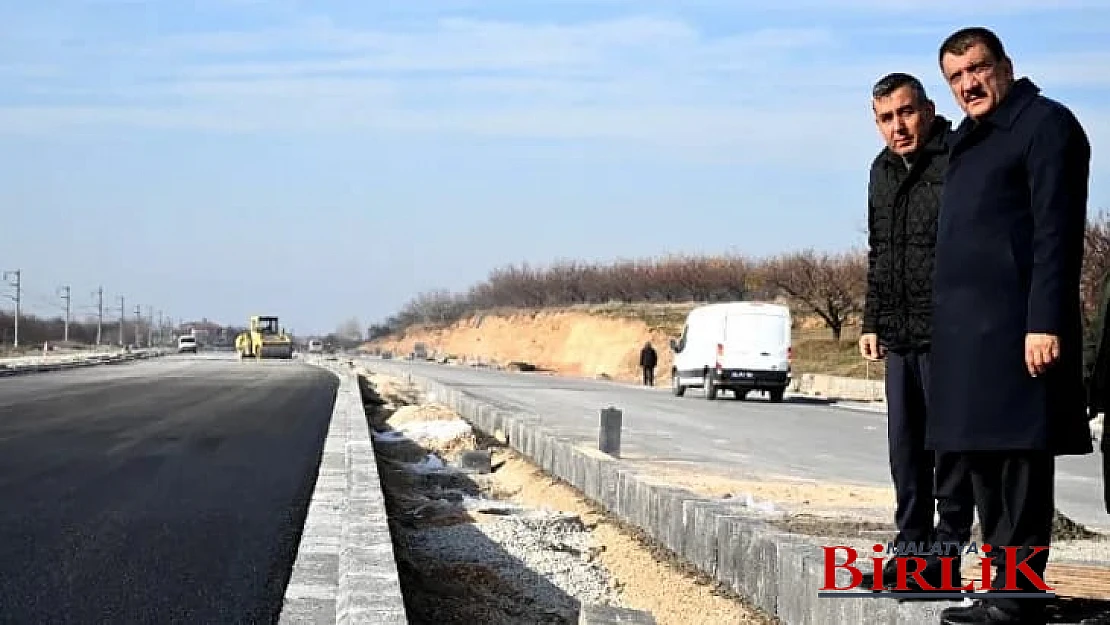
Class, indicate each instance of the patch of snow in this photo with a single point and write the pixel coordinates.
(435, 430)
(389, 436)
(430, 464)
(763, 507)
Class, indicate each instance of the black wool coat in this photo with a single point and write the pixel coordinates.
(1008, 258)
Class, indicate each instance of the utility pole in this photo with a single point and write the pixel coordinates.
(66, 296)
(17, 298)
(99, 313)
(161, 330)
(150, 326)
(122, 312)
(138, 322)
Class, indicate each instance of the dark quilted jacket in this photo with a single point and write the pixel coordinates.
(903, 205)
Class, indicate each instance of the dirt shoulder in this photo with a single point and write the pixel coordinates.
(513, 545)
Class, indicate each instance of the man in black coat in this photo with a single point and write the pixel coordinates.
(648, 361)
(1006, 391)
(904, 195)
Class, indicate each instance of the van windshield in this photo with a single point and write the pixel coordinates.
(761, 332)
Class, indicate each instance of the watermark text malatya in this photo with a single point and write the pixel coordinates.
(910, 563)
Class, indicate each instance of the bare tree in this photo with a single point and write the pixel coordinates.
(1096, 260)
(832, 286)
(350, 330)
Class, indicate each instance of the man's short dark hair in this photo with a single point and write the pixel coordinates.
(892, 82)
(959, 42)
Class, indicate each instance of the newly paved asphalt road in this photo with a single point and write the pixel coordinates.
(165, 491)
(798, 438)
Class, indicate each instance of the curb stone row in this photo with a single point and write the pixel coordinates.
(777, 571)
(345, 571)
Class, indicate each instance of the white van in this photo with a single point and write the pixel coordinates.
(740, 346)
(187, 343)
(315, 346)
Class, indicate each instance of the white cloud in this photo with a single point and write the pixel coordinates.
(782, 95)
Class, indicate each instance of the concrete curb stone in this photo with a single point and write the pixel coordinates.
(345, 570)
(10, 369)
(777, 571)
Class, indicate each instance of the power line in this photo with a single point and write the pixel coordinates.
(138, 322)
(66, 297)
(99, 312)
(18, 298)
(122, 312)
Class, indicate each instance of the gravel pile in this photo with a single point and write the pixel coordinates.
(548, 557)
(465, 558)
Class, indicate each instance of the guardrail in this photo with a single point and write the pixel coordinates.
(41, 364)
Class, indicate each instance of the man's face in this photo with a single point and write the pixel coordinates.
(978, 80)
(903, 121)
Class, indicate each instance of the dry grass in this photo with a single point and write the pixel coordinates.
(816, 352)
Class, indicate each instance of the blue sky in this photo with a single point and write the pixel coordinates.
(324, 159)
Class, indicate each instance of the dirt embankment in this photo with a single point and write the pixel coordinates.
(605, 341)
(567, 342)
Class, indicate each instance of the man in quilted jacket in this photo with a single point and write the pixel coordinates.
(904, 197)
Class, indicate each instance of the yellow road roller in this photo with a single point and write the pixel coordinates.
(264, 339)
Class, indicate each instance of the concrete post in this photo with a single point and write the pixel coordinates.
(609, 432)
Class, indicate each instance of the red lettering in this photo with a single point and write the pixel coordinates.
(916, 573)
(1023, 566)
(831, 566)
(947, 563)
(985, 566)
(877, 576)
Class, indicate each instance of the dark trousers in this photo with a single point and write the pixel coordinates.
(1014, 493)
(925, 482)
(649, 376)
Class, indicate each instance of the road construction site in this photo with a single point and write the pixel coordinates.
(359, 490)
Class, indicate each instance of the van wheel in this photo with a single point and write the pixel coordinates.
(776, 394)
(678, 389)
(710, 388)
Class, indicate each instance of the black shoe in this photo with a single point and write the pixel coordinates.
(987, 613)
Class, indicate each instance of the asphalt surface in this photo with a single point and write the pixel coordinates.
(163, 491)
(799, 438)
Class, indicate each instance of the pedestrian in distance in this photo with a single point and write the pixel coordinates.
(1006, 391)
(904, 195)
(648, 361)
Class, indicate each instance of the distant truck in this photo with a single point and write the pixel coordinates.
(420, 351)
(315, 346)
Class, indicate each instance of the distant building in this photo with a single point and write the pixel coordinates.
(207, 332)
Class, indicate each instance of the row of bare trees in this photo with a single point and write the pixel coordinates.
(34, 330)
(829, 285)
